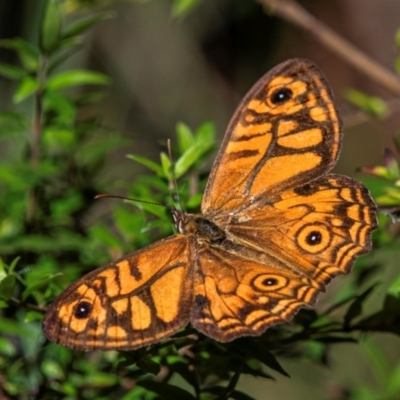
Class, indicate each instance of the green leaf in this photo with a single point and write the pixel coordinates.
(101, 379)
(166, 166)
(191, 156)
(33, 316)
(394, 288)
(7, 347)
(105, 236)
(28, 54)
(195, 201)
(76, 77)
(370, 104)
(397, 64)
(3, 270)
(397, 37)
(238, 395)
(12, 72)
(206, 133)
(7, 287)
(355, 308)
(260, 352)
(14, 328)
(67, 48)
(50, 27)
(58, 140)
(12, 123)
(394, 382)
(182, 7)
(52, 370)
(84, 24)
(146, 364)
(222, 393)
(165, 390)
(26, 88)
(63, 107)
(185, 137)
(147, 163)
(38, 285)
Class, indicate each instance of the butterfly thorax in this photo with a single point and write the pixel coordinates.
(201, 227)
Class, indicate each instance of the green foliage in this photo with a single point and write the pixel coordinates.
(370, 104)
(182, 7)
(49, 186)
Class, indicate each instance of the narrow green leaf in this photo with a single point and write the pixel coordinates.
(13, 264)
(28, 54)
(260, 352)
(185, 137)
(7, 287)
(355, 308)
(397, 37)
(394, 382)
(394, 288)
(26, 88)
(181, 368)
(12, 72)
(84, 24)
(335, 339)
(397, 64)
(166, 165)
(147, 163)
(191, 156)
(370, 104)
(50, 27)
(206, 133)
(38, 285)
(76, 77)
(238, 395)
(3, 270)
(146, 364)
(67, 49)
(165, 390)
(182, 7)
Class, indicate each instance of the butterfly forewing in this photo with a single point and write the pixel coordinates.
(285, 132)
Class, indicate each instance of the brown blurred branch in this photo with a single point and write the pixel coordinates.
(295, 13)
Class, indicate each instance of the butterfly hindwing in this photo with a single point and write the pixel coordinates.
(236, 296)
(322, 227)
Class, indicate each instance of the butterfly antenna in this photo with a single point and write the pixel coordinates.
(175, 183)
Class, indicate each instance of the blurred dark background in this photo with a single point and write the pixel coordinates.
(197, 68)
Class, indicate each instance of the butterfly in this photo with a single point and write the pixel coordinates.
(275, 228)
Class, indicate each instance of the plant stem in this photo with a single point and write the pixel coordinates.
(295, 13)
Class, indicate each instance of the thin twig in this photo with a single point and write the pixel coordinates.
(28, 305)
(295, 13)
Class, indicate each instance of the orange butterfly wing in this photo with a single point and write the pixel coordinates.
(286, 131)
(140, 299)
